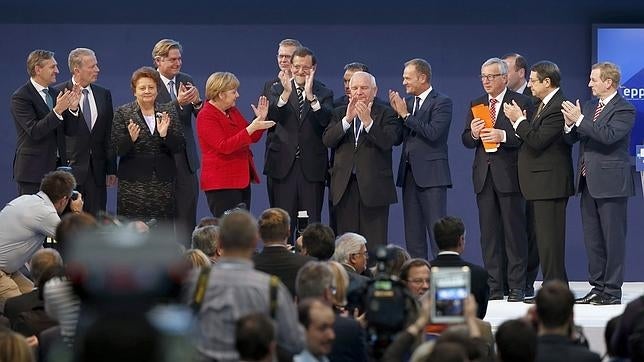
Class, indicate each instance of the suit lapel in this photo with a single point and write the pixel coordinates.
(41, 104)
(607, 109)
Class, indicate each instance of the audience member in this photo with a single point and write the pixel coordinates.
(449, 233)
(318, 319)
(396, 258)
(207, 220)
(516, 341)
(206, 239)
(235, 289)
(341, 278)
(318, 241)
(624, 329)
(275, 258)
(415, 273)
(14, 348)
(70, 226)
(255, 338)
(197, 258)
(351, 252)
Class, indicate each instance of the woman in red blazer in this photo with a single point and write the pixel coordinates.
(227, 166)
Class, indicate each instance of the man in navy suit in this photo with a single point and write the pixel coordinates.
(296, 160)
(179, 89)
(496, 183)
(450, 238)
(423, 172)
(42, 117)
(604, 179)
(89, 152)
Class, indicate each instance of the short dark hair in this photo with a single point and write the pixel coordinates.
(516, 340)
(519, 62)
(72, 225)
(42, 260)
(356, 66)
(448, 231)
(396, 258)
(447, 352)
(303, 52)
(547, 69)
(254, 334)
(319, 241)
(412, 263)
(144, 72)
(422, 66)
(58, 184)
(304, 310)
(238, 230)
(555, 303)
(274, 225)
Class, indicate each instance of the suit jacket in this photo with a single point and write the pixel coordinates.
(503, 162)
(293, 131)
(555, 348)
(278, 261)
(149, 153)
(545, 160)
(478, 279)
(39, 133)
(91, 151)
(225, 152)
(350, 343)
(22, 303)
(425, 142)
(371, 158)
(189, 154)
(603, 147)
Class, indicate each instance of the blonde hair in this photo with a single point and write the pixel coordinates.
(608, 70)
(341, 283)
(75, 59)
(14, 347)
(196, 258)
(220, 82)
(36, 58)
(163, 47)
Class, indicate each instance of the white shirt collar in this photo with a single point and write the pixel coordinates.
(499, 97)
(607, 99)
(38, 87)
(547, 98)
(448, 252)
(424, 95)
(166, 80)
(522, 88)
(89, 88)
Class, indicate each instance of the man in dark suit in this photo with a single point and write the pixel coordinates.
(43, 116)
(316, 280)
(179, 89)
(423, 172)
(496, 183)
(89, 152)
(285, 50)
(296, 160)
(275, 258)
(604, 179)
(450, 237)
(362, 185)
(555, 320)
(517, 72)
(545, 167)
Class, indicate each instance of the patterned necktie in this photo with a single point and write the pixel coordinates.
(493, 103)
(539, 109)
(416, 106)
(300, 100)
(598, 110)
(87, 111)
(171, 90)
(48, 99)
(356, 128)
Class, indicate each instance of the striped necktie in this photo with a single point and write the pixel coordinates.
(493, 103)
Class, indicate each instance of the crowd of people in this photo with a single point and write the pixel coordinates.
(72, 144)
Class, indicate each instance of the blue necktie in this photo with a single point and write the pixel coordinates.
(87, 111)
(48, 99)
(171, 90)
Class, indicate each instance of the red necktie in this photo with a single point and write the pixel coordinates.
(493, 102)
(598, 110)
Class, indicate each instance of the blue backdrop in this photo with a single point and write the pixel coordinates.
(455, 51)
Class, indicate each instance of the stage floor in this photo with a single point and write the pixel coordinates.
(592, 318)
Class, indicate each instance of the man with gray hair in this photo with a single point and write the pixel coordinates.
(89, 151)
(206, 239)
(351, 252)
(316, 280)
(363, 135)
(496, 183)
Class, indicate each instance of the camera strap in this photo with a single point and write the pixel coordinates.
(273, 284)
(200, 289)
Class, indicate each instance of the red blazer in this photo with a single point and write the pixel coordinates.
(226, 158)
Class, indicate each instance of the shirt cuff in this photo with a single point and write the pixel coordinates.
(581, 117)
(315, 106)
(567, 128)
(516, 124)
(58, 115)
(505, 136)
(366, 129)
(345, 125)
(281, 102)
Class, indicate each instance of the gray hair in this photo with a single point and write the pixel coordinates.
(313, 279)
(503, 66)
(205, 239)
(75, 59)
(347, 244)
(365, 74)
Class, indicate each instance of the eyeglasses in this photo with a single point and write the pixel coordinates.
(418, 281)
(489, 77)
(534, 80)
(302, 67)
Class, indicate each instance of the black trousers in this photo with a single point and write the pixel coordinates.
(220, 201)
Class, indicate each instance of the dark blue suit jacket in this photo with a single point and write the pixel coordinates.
(604, 148)
(425, 142)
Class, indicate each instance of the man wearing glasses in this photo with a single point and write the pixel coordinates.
(415, 273)
(496, 184)
(296, 160)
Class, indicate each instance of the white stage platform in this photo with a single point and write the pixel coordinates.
(592, 318)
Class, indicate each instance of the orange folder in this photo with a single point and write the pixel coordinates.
(483, 112)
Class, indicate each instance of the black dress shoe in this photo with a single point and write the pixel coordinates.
(606, 300)
(496, 296)
(516, 295)
(530, 300)
(529, 291)
(588, 298)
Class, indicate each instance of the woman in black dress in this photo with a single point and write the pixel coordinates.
(146, 135)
